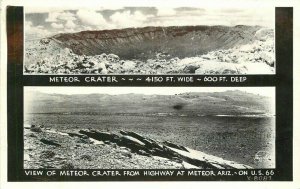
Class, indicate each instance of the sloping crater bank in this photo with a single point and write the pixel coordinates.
(145, 43)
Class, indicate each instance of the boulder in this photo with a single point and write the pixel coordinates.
(99, 67)
(49, 142)
(163, 152)
(132, 143)
(216, 67)
(96, 142)
(67, 51)
(113, 58)
(100, 135)
(192, 159)
(45, 41)
(35, 128)
(207, 57)
(84, 141)
(268, 58)
(133, 134)
(174, 60)
(170, 144)
(32, 135)
(86, 157)
(190, 69)
(256, 68)
(67, 165)
(143, 153)
(26, 126)
(124, 132)
(126, 153)
(148, 142)
(26, 157)
(77, 135)
(162, 55)
(132, 140)
(47, 154)
(128, 65)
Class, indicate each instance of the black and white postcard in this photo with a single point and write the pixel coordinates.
(149, 91)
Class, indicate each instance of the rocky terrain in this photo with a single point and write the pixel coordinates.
(155, 50)
(91, 149)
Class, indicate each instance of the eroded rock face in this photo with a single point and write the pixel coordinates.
(147, 51)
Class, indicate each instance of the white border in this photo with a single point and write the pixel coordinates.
(159, 185)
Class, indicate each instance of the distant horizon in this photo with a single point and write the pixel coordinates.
(267, 91)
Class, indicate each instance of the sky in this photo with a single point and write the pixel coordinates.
(263, 91)
(41, 22)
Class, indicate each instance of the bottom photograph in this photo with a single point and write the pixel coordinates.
(149, 127)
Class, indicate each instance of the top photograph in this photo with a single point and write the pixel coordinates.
(149, 40)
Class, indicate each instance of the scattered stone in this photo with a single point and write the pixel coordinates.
(32, 135)
(26, 157)
(129, 65)
(96, 142)
(47, 154)
(126, 153)
(143, 153)
(86, 157)
(84, 141)
(106, 142)
(113, 58)
(67, 165)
